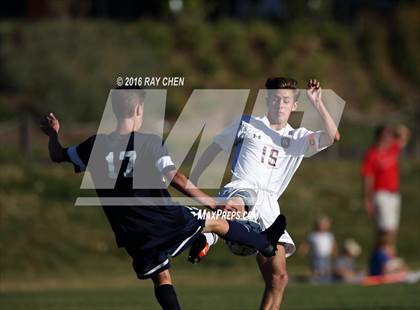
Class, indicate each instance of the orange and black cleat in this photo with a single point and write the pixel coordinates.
(198, 250)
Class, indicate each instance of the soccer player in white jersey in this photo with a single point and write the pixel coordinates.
(266, 153)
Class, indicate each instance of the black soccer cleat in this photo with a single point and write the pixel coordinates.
(198, 250)
(273, 234)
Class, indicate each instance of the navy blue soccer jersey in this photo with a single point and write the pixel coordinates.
(133, 166)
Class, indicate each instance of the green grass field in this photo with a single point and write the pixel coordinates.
(203, 286)
(244, 296)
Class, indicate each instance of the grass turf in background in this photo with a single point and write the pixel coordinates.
(245, 296)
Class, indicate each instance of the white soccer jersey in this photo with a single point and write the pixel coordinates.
(265, 159)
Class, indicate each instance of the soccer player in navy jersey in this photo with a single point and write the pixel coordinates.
(156, 228)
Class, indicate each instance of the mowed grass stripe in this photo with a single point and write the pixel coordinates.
(223, 296)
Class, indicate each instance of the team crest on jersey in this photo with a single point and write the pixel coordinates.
(285, 142)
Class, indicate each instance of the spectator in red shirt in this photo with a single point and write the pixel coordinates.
(380, 171)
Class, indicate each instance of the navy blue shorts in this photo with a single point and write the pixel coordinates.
(147, 263)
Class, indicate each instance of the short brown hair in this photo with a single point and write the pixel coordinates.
(282, 83)
(124, 101)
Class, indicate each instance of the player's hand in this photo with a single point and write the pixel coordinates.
(235, 204)
(314, 92)
(50, 124)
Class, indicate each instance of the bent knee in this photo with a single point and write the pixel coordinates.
(278, 280)
(162, 278)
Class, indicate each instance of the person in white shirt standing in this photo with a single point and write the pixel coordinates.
(321, 244)
(266, 153)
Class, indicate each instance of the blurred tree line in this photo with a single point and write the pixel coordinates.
(67, 64)
(279, 10)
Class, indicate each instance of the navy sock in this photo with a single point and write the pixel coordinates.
(166, 296)
(241, 234)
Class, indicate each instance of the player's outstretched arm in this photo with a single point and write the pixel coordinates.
(205, 160)
(314, 95)
(403, 134)
(185, 186)
(51, 126)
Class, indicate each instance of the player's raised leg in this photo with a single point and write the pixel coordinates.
(164, 291)
(240, 202)
(234, 231)
(273, 270)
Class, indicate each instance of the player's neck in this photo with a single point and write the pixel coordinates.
(383, 145)
(127, 125)
(276, 124)
(277, 127)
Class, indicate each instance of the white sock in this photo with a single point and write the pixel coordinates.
(211, 238)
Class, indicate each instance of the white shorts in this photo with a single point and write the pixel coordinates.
(387, 207)
(265, 211)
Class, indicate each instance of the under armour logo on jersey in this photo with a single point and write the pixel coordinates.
(285, 142)
(257, 136)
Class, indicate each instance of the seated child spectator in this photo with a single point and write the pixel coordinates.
(384, 261)
(344, 268)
